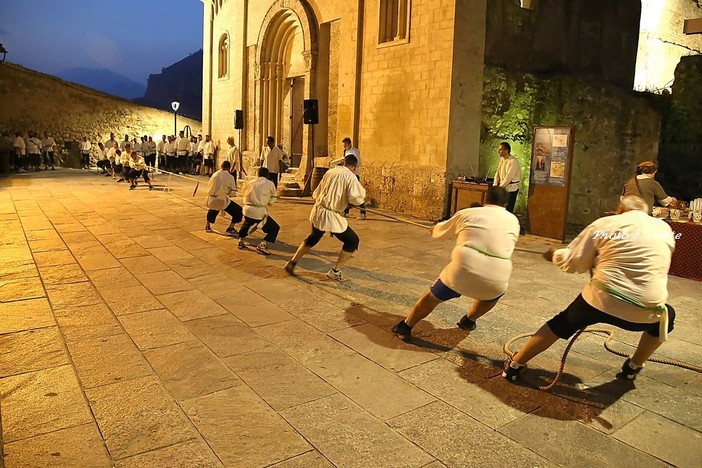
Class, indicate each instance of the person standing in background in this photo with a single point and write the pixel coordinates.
(508, 175)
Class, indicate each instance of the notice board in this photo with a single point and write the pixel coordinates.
(549, 181)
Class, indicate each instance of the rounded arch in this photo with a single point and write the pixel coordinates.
(223, 56)
(287, 47)
(280, 13)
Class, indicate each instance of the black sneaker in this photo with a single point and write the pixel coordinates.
(511, 373)
(466, 324)
(402, 331)
(241, 244)
(232, 232)
(262, 248)
(628, 372)
(208, 229)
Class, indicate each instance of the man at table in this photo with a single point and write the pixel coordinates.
(644, 185)
(508, 175)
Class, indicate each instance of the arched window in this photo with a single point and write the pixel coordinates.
(223, 68)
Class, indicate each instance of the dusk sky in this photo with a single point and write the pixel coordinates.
(130, 37)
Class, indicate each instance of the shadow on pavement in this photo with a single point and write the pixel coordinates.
(569, 400)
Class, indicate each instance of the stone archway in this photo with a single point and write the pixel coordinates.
(286, 51)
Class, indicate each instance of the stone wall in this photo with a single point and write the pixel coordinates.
(593, 37)
(614, 130)
(405, 110)
(680, 156)
(662, 41)
(68, 112)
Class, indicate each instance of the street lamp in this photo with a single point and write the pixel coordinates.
(175, 105)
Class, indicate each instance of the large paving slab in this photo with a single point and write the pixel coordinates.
(129, 337)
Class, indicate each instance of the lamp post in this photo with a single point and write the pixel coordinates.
(175, 105)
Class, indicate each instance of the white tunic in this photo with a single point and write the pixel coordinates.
(508, 174)
(481, 261)
(209, 149)
(630, 254)
(220, 185)
(339, 188)
(259, 194)
(270, 158)
(233, 157)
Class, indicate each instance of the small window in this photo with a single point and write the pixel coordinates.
(393, 21)
(223, 68)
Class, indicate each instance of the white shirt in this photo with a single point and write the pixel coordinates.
(160, 147)
(481, 261)
(356, 153)
(182, 146)
(123, 144)
(102, 153)
(200, 146)
(193, 147)
(220, 185)
(150, 146)
(508, 174)
(209, 149)
(124, 158)
(630, 253)
(85, 146)
(138, 147)
(233, 157)
(112, 154)
(138, 163)
(48, 143)
(33, 145)
(270, 158)
(110, 143)
(169, 148)
(339, 188)
(259, 194)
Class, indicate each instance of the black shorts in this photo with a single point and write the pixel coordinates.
(579, 314)
(348, 237)
(209, 162)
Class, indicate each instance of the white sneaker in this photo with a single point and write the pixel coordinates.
(336, 275)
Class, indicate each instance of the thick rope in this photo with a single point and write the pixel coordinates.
(506, 349)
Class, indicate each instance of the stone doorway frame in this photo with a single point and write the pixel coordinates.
(265, 70)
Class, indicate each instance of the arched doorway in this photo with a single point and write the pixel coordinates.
(285, 75)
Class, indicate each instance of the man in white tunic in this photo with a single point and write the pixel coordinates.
(137, 168)
(182, 147)
(85, 148)
(270, 159)
(338, 188)
(259, 194)
(508, 174)
(628, 256)
(209, 150)
(49, 147)
(481, 262)
(220, 186)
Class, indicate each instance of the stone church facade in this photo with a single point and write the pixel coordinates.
(402, 78)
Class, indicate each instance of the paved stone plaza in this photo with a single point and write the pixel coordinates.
(129, 337)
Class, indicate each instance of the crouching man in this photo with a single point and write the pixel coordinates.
(259, 194)
(628, 287)
(481, 262)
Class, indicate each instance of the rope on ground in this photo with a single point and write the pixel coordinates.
(506, 349)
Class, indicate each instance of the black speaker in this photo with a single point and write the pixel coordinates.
(238, 119)
(310, 114)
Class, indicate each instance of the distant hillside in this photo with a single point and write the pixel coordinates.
(182, 82)
(104, 80)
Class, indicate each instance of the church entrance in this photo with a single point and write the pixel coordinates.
(285, 76)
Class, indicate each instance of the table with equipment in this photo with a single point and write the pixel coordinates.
(464, 194)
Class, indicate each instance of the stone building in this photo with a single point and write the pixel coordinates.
(427, 88)
(384, 72)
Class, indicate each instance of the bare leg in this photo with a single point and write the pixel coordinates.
(424, 306)
(647, 345)
(540, 342)
(301, 252)
(343, 259)
(479, 308)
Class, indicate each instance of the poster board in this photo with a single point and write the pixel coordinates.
(549, 181)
